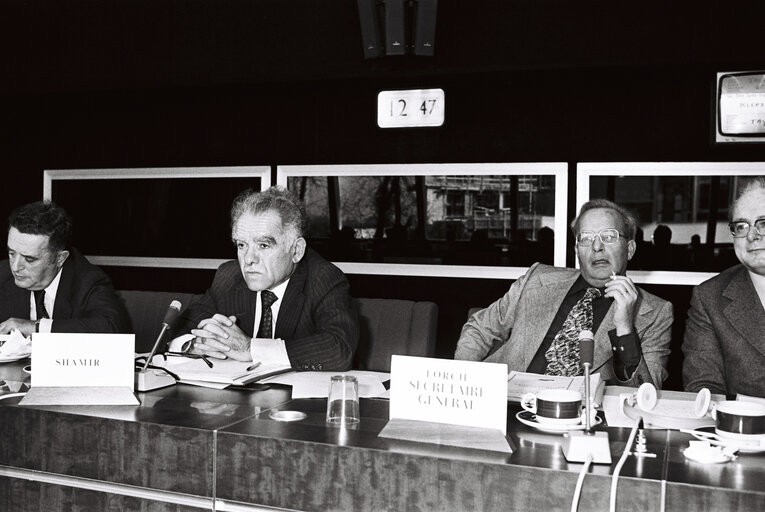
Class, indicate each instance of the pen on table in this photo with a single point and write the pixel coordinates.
(247, 371)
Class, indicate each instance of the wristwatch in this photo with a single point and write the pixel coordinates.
(37, 326)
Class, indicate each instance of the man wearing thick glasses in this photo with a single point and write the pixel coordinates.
(724, 343)
(535, 326)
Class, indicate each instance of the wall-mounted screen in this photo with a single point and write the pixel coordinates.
(683, 212)
(168, 217)
(740, 112)
(451, 220)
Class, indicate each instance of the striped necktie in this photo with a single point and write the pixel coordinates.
(266, 317)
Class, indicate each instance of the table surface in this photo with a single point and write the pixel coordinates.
(233, 433)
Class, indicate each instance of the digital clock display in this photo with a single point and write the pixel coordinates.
(411, 108)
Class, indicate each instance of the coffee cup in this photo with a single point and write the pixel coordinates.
(736, 419)
(554, 406)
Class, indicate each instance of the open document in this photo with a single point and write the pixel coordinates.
(520, 383)
(222, 371)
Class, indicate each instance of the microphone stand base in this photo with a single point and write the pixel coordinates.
(152, 379)
(578, 445)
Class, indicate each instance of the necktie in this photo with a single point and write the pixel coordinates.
(40, 304)
(563, 354)
(266, 318)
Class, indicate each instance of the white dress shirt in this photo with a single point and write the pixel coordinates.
(266, 350)
(46, 324)
(759, 285)
(279, 292)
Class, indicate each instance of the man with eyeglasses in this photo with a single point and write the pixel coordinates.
(535, 326)
(724, 342)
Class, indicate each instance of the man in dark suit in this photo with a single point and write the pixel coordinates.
(45, 286)
(282, 302)
(724, 343)
(534, 327)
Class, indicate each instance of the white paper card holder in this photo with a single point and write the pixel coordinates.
(466, 393)
(82, 369)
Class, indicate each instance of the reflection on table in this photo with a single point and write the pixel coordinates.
(188, 447)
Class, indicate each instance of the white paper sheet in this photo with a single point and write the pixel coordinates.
(223, 371)
(316, 384)
(520, 383)
(14, 346)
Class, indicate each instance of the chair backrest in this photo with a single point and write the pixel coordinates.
(392, 326)
(147, 310)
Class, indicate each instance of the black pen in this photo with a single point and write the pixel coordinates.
(247, 371)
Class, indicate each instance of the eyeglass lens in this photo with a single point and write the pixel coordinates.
(607, 236)
(741, 229)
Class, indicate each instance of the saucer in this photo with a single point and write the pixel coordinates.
(13, 358)
(287, 415)
(530, 419)
(706, 454)
(746, 443)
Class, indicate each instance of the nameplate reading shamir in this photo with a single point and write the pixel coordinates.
(76, 359)
(78, 362)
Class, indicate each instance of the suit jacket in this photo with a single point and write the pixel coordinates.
(512, 329)
(85, 300)
(724, 343)
(315, 320)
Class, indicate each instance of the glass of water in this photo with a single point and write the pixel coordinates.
(343, 401)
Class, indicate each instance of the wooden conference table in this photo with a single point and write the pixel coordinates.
(191, 449)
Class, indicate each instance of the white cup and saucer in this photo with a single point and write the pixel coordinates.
(554, 410)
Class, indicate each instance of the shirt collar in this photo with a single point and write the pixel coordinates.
(279, 290)
(52, 289)
(759, 285)
(581, 285)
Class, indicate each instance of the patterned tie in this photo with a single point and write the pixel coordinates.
(563, 354)
(266, 318)
(40, 304)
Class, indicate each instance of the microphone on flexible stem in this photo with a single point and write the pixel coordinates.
(148, 380)
(581, 446)
(586, 349)
(172, 313)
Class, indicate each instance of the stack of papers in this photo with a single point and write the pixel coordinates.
(520, 383)
(14, 346)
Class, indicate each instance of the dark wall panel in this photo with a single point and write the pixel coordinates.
(206, 83)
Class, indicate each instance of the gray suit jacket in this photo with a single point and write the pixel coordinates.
(512, 329)
(724, 342)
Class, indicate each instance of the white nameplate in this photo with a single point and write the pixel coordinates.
(76, 359)
(464, 393)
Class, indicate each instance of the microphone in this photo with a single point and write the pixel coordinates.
(586, 445)
(172, 314)
(586, 350)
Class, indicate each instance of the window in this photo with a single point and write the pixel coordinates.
(153, 217)
(683, 212)
(425, 217)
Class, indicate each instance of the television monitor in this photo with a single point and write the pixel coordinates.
(740, 112)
